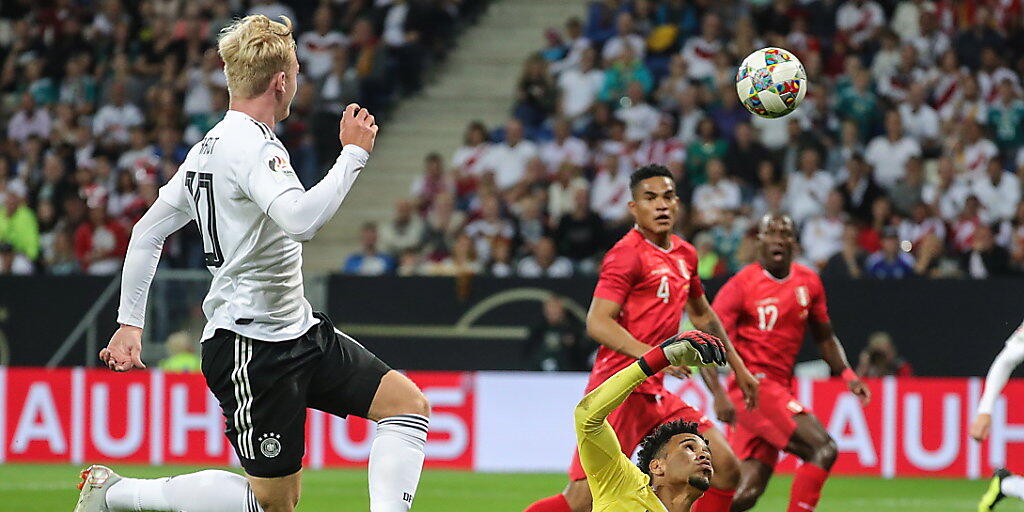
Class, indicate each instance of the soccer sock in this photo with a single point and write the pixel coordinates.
(1013, 486)
(396, 459)
(556, 503)
(714, 500)
(211, 490)
(806, 490)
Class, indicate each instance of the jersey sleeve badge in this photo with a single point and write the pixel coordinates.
(280, 168)
(803, 296)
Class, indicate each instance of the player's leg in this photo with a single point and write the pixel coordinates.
(351, 380)
(1003, 484)
(813, 444)
(754, 477)
(205, 491)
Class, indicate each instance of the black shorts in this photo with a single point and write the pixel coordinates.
(265, 387)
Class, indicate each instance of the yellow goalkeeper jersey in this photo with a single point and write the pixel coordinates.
(616, 483)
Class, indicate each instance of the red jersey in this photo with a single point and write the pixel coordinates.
(652, 285)
(766, 318)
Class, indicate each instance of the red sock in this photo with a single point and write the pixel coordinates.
(554, 503)
(806, 490)
(714, 500)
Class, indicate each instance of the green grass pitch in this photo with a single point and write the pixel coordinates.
(32, 488)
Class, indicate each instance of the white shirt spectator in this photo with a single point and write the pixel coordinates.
(579, 90)
(316, 51)
(572, 60)
(711, 198)
(138, 159)
(470, 160)
(976, 157)
(610, 196)
(394, 25)
(394, 239)
(554, 154)
(616, 45)
(199, 97)
(529, 267)
(641, 120)
(906, 21)
(921, 123)
(483, 232)
(509, 162)
(915, 232)
(949, 202)
(774, 133)
(859, 22)
(998, 200)
(806, 195)
(930, 47)
(890, 157)
(821, 238)
(988, 82)
(661, 152)
(700, 54)
(112, 122)
(24, 125)
(561, 197)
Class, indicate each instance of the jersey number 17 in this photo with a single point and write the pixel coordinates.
(200, 187)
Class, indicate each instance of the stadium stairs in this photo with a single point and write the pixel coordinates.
(476, 82)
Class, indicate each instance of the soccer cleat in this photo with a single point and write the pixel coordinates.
(994, 493)
(96, 480)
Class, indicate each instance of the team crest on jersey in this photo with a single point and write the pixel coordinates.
(803, 296)
(270, 445)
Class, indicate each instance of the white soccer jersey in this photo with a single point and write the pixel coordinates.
(227, 183)
(999, 373)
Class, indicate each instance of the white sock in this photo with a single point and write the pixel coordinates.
(1013, 486)
(211, 490)
(396, 460)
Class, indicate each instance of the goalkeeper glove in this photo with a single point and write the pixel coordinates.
(690, 348)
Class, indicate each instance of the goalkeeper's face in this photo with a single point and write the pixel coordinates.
(686, 460)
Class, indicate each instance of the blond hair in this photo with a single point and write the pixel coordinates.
(253, 49)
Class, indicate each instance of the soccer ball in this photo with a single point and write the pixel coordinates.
(771, 82)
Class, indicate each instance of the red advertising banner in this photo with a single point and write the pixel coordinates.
(912, 427)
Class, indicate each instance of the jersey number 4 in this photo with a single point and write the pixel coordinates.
(200, 187)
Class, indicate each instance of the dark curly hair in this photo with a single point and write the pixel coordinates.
(651, 446)
(648, 171)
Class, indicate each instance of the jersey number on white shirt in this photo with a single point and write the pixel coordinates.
(200, 184)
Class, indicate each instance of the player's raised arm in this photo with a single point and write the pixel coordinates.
(124, 351)
(301, 213)
(705, 319)
(1009, 358)
(600, 452)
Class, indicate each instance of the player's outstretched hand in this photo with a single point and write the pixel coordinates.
(124, 352)
(980, 427)
(357, 126)
(694, 348)
(857, 387)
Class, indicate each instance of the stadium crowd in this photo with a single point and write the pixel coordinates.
(904, 160)
(100, 100)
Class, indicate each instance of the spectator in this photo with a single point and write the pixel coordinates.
(544, 261)
(564, 148)
(849, 145)
(557, 342)
(431, 183)
(368, 261)
(462, 261)
(881, 220)
(707, 146)
(501, 258)
(405, 231)
(578, 88)
(563, 189)
(709, 264)
(674, 86)
(625, 35)
(948, 194)
(890, 262)
(690, 116)
(973, 152)
(444, 223)
(888, 154)
(807, 190)
(715, 196)
(61, 261)
(470, 159)
(880, 358)
(115, 118)
(1011, 237)
(341, 84)
(100, 243)
(907, 192)
(985, 259)
(640, 117)
(580, 232)
(998, 191)
(181, 354)
(849, 262)
(858, 22)
(822, 235)
(19, 233)
(859, 190)
(316, 48)
(621, 72)
(920, 120)
(919, 226)
(491, 225)
(508, 160)
(29, 121)
(609, 194)
(930, 41)
(700, 52)
(536, 94)
(531, 225)
(745, 155)
(1006, 118)
(577, 45)
(858, 104)
(662, 148)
